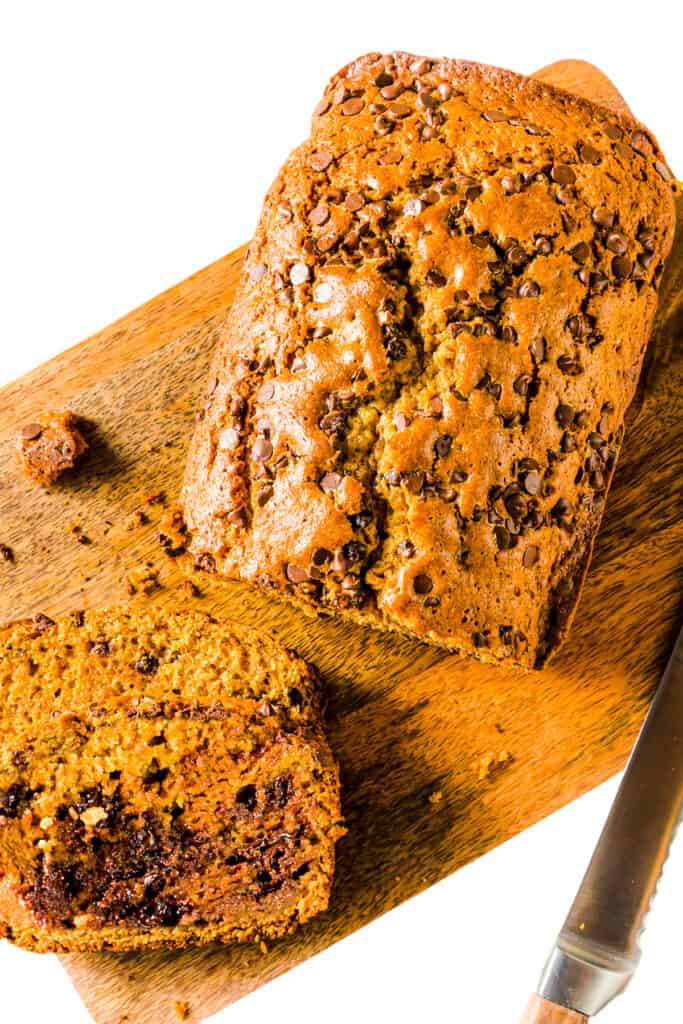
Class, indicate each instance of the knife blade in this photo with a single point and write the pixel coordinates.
(597, 950)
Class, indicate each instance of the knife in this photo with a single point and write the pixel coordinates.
(597, 951)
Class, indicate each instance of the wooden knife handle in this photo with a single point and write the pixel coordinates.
(540, 1011)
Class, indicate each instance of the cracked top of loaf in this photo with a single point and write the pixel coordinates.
(418, 398)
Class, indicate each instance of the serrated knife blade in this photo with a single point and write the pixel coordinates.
(597, 950)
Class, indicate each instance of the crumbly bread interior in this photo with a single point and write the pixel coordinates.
(164, 781)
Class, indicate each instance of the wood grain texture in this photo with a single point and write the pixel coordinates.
(442, 758)
(540, 1011)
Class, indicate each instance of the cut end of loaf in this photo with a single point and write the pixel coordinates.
(164, 781)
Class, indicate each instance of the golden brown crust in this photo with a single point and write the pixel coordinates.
(164, 781)
(419, 396)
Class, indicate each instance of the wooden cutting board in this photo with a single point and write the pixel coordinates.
(414, 728)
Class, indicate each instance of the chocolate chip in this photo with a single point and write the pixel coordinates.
(399, 110)
(331, 481)
(422, 584)
(580, 252)
(613, 131)
(663, 171)
(263, 496)
(147, 664)
(515, 505)
(511, 183)
(31, 432)
(528, 290)
(640, 142)
(406, 548)
(435, 278)
(42, 622)
(258, 272)
(401, 421)
(321, 556)
(443, 445)
(295, 574)
(390, 156)
(504, 539)
(322, 107)
(352, 106)
(412, 207)
(354, 201)
(299, 273)
(383, 126)
(537, 349)
(566, 364)
(6, 554)
(262, 450)
(565, 196)
(515, 255)
(265, 392)
(100, 648)
(320, 160)
(354, 551)
(480, 640)
(564, 414)
(494, 115)
(563, 174)
(206, 562)
(392, 91)
(531, 482)
(246, 796)
(521, 384)
(589, 154)
(603, 217)
(622, 266)
(319, 214)
(616, 243)
(340, 94)
(530, 557)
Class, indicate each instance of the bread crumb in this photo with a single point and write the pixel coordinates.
(182, 1009)
(51, 445)
(6, 554)
(490, 763)
(191, 589)
(436, 797)
(172, 519)
(263, 947)
(136, 519)
(154, 498)
(144, 580)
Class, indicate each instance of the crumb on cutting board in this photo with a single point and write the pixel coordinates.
(436, 797)
(182, 1009)
(490, 763)
(143, 580)
(191, 589)
(6, 554)
(136, 519)
(50, 445)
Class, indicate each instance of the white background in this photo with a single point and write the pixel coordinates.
(136, 141)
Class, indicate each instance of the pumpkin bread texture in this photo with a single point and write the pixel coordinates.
(164, 781)
(418, 399)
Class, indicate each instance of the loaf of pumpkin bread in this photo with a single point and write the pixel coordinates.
(417, 403)
(164, 781)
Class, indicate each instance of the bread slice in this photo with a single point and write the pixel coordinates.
(164, 781)
(418, 398)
